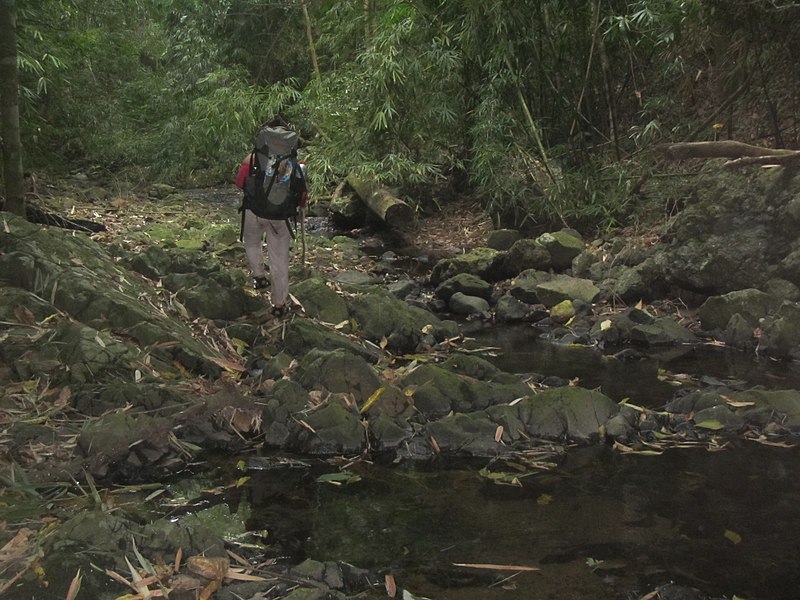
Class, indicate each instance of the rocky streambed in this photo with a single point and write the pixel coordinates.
(136, 358)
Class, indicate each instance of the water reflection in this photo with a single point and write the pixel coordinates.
(602, 525)
(522, 351)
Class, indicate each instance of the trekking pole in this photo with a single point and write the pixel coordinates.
(303, 238)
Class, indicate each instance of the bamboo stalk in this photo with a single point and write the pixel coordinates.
(310, 38)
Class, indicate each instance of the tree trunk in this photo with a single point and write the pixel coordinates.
(393, 211)
(9, 109)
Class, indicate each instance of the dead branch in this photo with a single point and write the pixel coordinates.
(721, 149)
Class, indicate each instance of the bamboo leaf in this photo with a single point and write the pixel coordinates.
(711, 424)
(493, 567)
(734, 537)
(372, 399)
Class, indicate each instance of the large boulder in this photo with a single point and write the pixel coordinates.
(483, 262)
(523, 255)
(466, 283)
(382, 316)
(320, 301)
(563, 287)
(461, 384)
(739, 231)
(569, 412)
(750, 303)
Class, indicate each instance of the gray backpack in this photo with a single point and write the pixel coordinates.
(275, 181)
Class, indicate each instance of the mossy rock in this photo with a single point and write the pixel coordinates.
(482, 262)
(320, 301)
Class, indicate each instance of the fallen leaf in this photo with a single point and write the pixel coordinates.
(496, 567)
(372, 399)
(391, 587)
(711, 424)
(227, 364)
(498, 434)
(210, 568)
(734, 537)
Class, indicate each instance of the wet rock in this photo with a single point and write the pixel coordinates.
(632, 253)
(583, 262)
(211, 300)
(355, 278)
(467, 284)
(737, 233)
(152, 397)
(81, 279)
(22, 306)
(502, 239)
(756, 406)
(157, 261)
(339, 372)
(90, 354)
(620, 427)
(380, 315)
(524, 286)
(739, 332)
(718, 417)
(616, 329)
(96, 530)
(438, 390)
(302, 335)
(627, 285)
(750, 303)
(404, 288)
(564, 287)
(320, 301)
(563, 246)
(388, 433)
(782, 289)
(663, 331)
(332, 429)
(570, 412)
(462, 304)
(466, 435)
(525, 254)
(780, 334)
(562, 312)
(482, 262)
(509, 309)
(129, 446)
(286, 399)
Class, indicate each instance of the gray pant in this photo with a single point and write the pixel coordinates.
(277, 253)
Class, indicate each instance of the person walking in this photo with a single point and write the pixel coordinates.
(282, 176)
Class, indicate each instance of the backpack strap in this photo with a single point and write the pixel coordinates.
(278, 161)
(243, 207)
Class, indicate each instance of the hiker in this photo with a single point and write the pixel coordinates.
(277, 230)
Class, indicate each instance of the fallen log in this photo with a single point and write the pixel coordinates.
(388, 207)
(741, 154)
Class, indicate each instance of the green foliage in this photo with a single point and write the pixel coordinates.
(536, 106)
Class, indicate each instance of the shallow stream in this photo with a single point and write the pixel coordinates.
(600, 525)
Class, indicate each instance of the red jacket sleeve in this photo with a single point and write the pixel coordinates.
(241, 175)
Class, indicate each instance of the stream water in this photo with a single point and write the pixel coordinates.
(600, 525)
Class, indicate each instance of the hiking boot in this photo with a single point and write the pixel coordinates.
(280, 312)
(260, 283)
